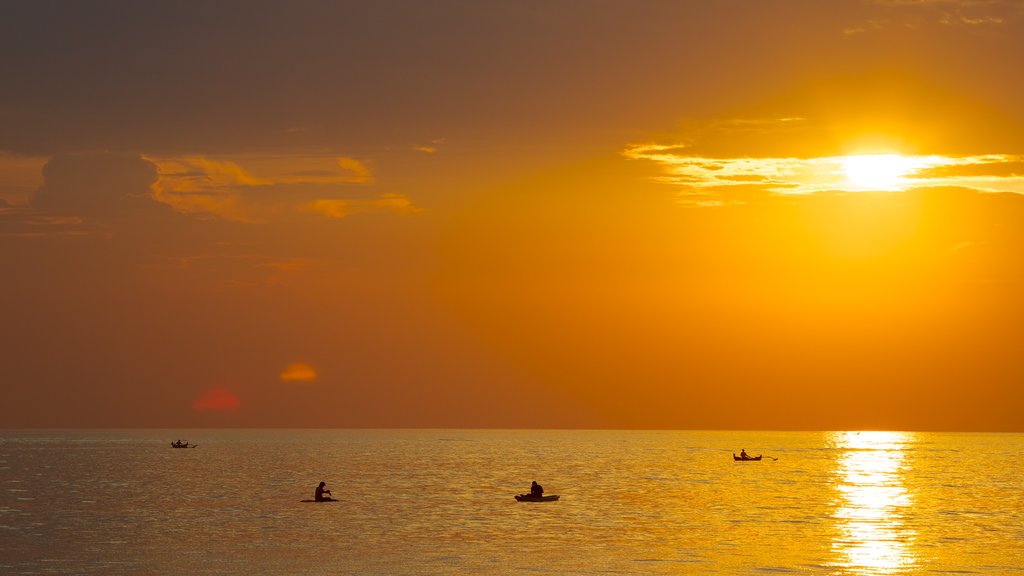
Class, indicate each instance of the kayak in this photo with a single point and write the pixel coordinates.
(325, 500)
(747, 459)
(186, 445)
(532, 498)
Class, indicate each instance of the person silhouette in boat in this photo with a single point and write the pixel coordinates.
(743, 454)
(320, 491)
(536, 489)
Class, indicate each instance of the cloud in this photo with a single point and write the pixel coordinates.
(700, 166)
(755, 137)
(98, 186)
(734, 179)
(359, 172)
(298, 372)
(866, 26)
(996, 167)
(904, 15)
(339, 208)
(264, 188)
(22, 222)
(85, 194)
(430, 148)
(219, 399)
(20, 177)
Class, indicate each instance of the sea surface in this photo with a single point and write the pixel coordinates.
(424, 502)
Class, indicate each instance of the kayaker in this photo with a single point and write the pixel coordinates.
(743, 454)
(319, 494)
(536, 489)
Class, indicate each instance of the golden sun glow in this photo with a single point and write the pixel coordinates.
(879, 171)
(716, 180)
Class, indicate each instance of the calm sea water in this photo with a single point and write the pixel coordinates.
(441, 502)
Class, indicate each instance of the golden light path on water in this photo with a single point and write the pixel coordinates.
(872, 503)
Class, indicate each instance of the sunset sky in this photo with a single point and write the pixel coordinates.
(593, 213)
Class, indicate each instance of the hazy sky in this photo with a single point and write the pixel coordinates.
(682, 214)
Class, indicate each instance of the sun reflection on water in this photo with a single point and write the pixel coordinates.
(872, 503)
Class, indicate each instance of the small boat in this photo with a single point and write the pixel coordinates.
(747, 459)
(532, 498)
(183, 445)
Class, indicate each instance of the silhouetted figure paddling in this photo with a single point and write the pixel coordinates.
(536, 495)
(318, 496)
(744, 457)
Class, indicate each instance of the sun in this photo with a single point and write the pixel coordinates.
(878, 171)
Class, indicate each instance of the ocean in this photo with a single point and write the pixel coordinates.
(426, 502)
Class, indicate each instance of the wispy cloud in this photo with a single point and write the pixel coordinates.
(357, 171)
(261, 188)
(340, 208)
(919, 14)
(18, 221)
(246, 268)
(431, 148)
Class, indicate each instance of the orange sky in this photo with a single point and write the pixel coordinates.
(762, 215)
